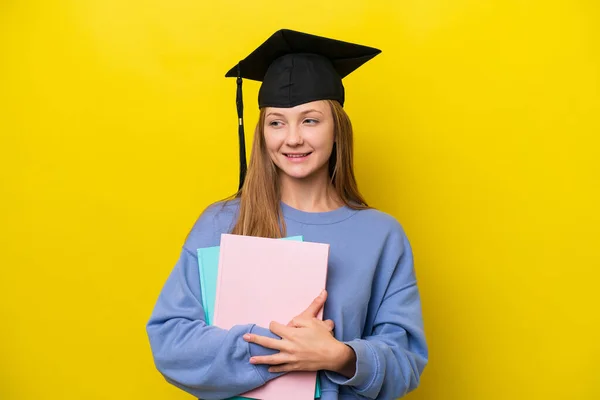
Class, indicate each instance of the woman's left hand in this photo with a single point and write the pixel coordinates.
(306, 344)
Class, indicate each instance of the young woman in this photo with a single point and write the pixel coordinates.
(300, 181)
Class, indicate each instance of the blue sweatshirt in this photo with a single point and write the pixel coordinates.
(373, 300)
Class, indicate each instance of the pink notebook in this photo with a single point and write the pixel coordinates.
(262, 280)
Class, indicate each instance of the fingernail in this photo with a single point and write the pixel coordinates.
(246, 337)
(252, 361)
(322, 293)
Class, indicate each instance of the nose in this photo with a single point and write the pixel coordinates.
(294, 136)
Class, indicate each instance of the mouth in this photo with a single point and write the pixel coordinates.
(297, 156)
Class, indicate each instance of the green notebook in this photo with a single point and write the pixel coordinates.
(208, 267)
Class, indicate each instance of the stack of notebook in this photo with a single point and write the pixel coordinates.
(251, 280)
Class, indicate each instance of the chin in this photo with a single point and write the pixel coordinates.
(305, 173)
(296, 175)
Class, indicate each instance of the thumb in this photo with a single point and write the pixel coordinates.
(316, 306)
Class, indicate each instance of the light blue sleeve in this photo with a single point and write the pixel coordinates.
(205, 361)
(390, 360)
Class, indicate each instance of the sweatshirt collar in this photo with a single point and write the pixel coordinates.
(317, 218)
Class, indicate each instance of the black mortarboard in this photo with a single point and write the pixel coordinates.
(296, 68)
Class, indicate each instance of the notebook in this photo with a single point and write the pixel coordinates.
(208, 267)
(208, 263)
(260, 280)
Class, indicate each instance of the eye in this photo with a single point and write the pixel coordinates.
(275, 124)
(311, 121)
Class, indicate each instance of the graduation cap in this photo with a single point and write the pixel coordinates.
(296, 68)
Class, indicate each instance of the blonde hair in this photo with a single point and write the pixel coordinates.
(260, 212)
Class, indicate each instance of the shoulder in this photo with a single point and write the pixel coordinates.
(217, 218)
(380, 220)
(226, 209)
(384, 229)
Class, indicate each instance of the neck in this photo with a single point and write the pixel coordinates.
(311, 194)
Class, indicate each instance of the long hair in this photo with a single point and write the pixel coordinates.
(260, 212)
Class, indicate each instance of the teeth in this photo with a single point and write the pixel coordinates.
(297, 155)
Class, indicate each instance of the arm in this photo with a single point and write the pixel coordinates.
(206, 361)
(391, 358)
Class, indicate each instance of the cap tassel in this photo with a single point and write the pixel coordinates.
(242, 141)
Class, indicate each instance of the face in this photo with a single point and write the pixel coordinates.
(300, 139)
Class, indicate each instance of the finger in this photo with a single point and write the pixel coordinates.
(264, 341)
(275, 359)
(300, 322)
(316, 306)
(282, 368)
(279, 329)
(329, 324)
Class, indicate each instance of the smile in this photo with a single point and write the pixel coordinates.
(297, 155)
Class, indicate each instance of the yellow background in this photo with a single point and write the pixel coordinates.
(477, 128)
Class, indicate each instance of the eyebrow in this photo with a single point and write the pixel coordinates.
(302, 113)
